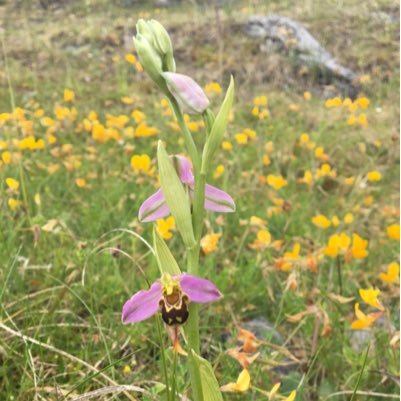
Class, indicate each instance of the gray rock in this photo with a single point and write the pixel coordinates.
(264, 330)
(288, 36)
(359, 339)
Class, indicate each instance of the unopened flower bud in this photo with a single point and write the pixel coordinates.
(187, 93)
(150, 60)
(143, 28)
(163, 44)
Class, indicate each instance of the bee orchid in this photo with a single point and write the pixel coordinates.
(171, 296)
(155, 207)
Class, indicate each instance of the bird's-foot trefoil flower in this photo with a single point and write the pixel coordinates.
(155, 207)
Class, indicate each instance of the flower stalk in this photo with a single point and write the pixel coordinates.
(185, 194)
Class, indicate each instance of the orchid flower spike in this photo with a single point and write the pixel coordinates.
(155, 207)
(171, 296)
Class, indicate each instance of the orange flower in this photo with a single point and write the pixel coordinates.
(249, 340)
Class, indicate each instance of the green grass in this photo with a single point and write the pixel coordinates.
(68, 324)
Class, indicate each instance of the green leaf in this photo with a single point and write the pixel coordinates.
(219, 127)
(176, 197)
(210, 386)
(165, 259)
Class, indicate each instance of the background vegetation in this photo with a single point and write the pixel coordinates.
(302, 162)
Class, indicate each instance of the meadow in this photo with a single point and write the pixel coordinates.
(309, 262)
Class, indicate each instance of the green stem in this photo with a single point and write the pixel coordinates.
(189, 141)
(192, 326)
(174, 379)
(163, 356)
(339, 272)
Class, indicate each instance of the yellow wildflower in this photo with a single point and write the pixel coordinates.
(392, 275)
(138, 67)
(227, 145)
(266, 160)
(130, 58)
(335, 221)
(276, 181)
(264, 237)
(363, 120)
(241, 385)
(321, 221)
(218, 172)
(363, 321)
(349, 181)
(333, 102)
(325, 170)
(347, 102)
(304, 138)
(337, 244)
(260, 101)
(393, 232)
(352, 120)
(307, 95)
(209, 243)
(292, 396)
(307, 178)
(81, 183)
(37, 199)
(127, 100)
(348, 218)
(213, 87)
(164, 226)
(141, 163)
(320, 154)
(127, 370)
(5, 116)
(294, 254)
(241, 138)
(358, 249)
(14, 204)
(269, 147)
(12, 183)
(363, 102)
(257, 221)
(143, 130)
(138, 116)
(274, 391)
(370, 296)
(69, 95)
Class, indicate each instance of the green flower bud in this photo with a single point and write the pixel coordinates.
(163, 44)
(143, 28)
(151, 61)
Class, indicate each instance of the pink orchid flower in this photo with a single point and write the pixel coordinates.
(171, 296)
(155, 207)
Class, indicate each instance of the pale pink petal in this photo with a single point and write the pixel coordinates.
(198, 289)
(184, 166)
(218, 200)
(187, 92)
(142, 305)
(155, 207)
